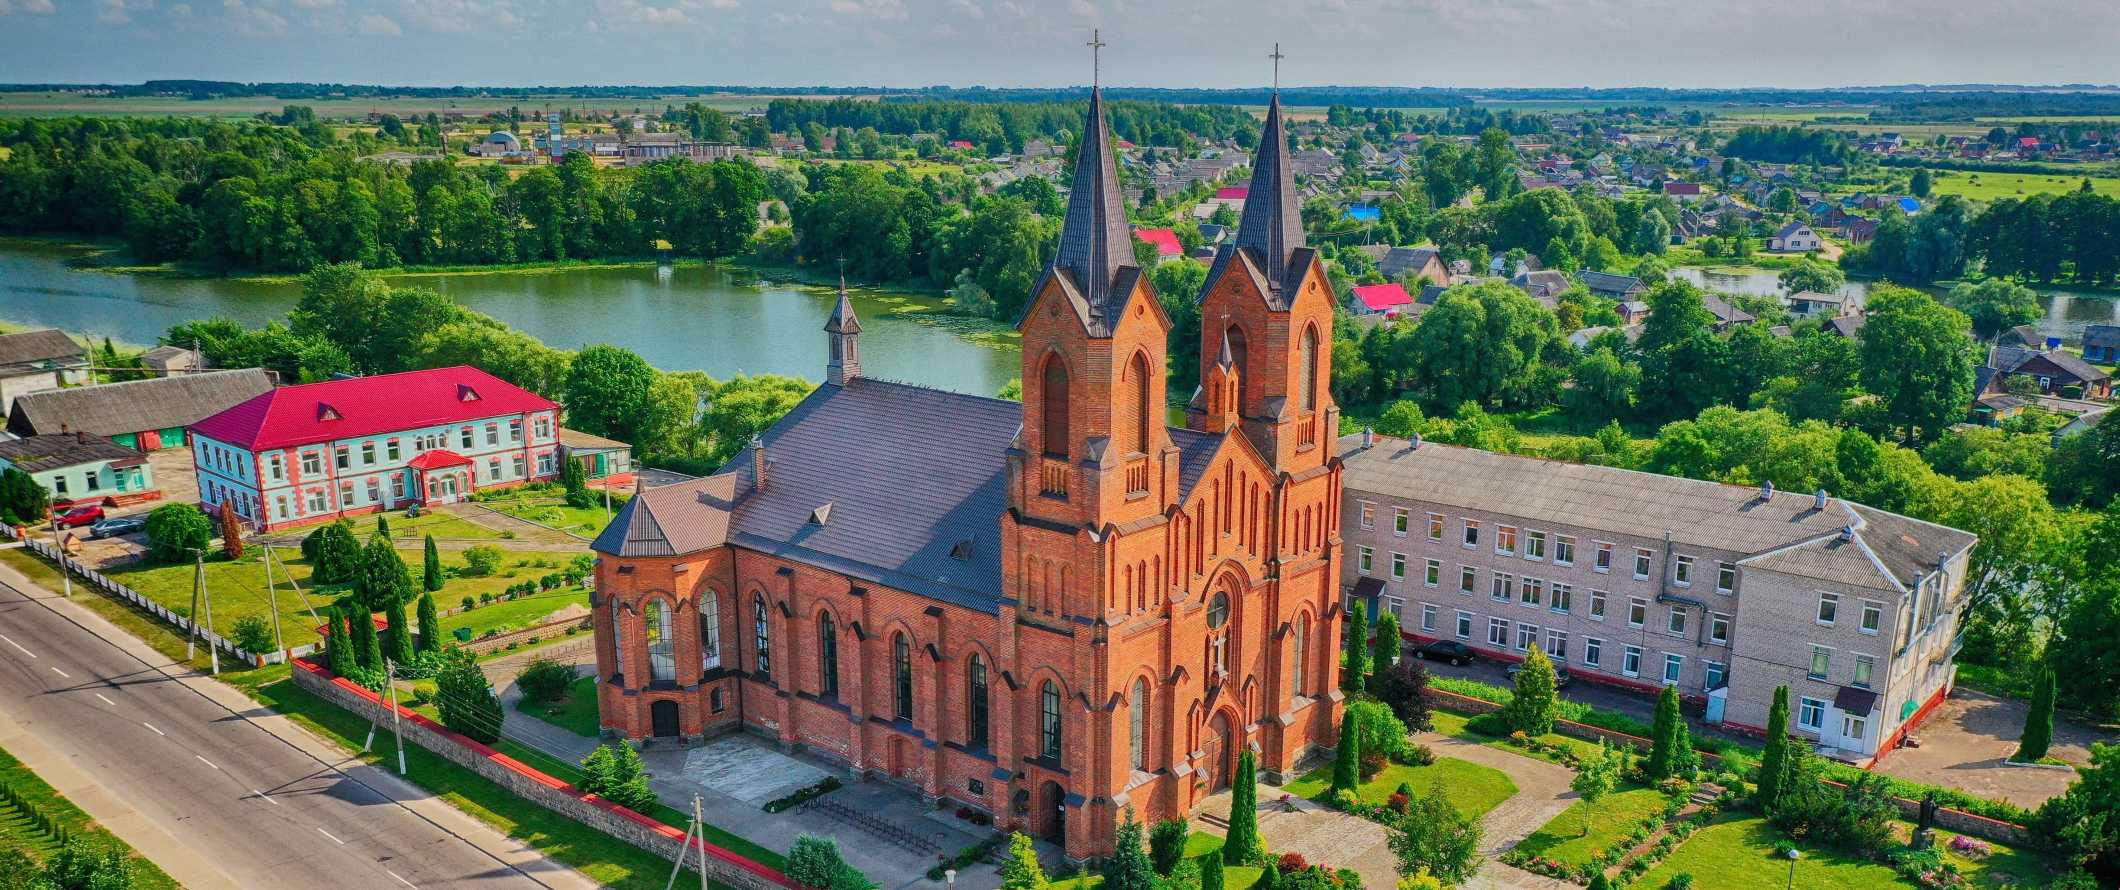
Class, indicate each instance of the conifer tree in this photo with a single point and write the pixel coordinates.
(1346, 762)
(1021, 871)
(2039, 722)
(1530, 709)
(1128, 868)
(1384, 649)
(1211, 873)
(430, 625)
(1351, 679)
(338, 643)
(1661, 739)
(1774, 761)
(466, 698)
(382, 525)
(1242, 845)
(431, 572)
(400, 632)
(360, 631)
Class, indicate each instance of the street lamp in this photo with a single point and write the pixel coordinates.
(1794, 854)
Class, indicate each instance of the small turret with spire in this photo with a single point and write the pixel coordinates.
(843, 333)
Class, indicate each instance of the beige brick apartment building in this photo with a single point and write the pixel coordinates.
(1638, 580)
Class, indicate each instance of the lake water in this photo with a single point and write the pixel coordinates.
(2067, 313)
(719, 320)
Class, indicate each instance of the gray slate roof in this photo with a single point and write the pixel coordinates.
(2008, 359)
(36, 454)
(1401, 260)
(1095, 239)
(138, 405)
(30, 348)
(1607, 283)
(2107, 335)
(1271, 229)
(899, 504)
(1647, 505)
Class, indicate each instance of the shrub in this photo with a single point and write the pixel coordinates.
(1166, 845)
(813, 862)
(1417, 755)
(1292, 862)
(253, 634)
(467, 604)
(545, 680)
(1403, 688)
(1345, 800)
(1681, 881)
(481, 560)
(174, 530)
(467, 702)
(1398, 802)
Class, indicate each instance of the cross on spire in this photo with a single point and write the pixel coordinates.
(1276, 57)
(1096, 46)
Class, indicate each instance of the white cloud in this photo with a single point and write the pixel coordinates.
(968, 8)
(314, 4)
(180, 11)
(113, 12)
(380, 25)
(254, 19)
(33, 7)
(459, 16)
(876, 9)
(635, 12)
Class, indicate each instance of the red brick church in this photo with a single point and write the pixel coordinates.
(1049, 611)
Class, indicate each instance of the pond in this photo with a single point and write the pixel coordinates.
(2067, 312)
(721, 320)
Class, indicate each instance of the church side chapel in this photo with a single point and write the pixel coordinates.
(1049, 611)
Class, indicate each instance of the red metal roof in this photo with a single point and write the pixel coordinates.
(366, 406)
(1681, 188)
(435, 460)
(1233, 192)
(1379, 297)
(1165, 240)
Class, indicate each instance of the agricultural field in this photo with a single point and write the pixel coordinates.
(1985, 186)
(58, 104)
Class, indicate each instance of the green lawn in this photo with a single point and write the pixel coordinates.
(575, 712)
(1736, 852)
(1584, 830)
(1454, 725)
(548, 506)
(19, 833)
(515, 614)
(1472, 788)
(1986, 186)
(1197, 844)
(440, 525)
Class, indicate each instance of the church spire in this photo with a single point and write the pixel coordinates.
(843, 332)
(1095, 239)
(1272, 225)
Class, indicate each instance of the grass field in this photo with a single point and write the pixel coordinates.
(1736, 852)
(515, 614)
(548, 506)
(19, 833)
(1197, 844)
(1584, 830)
(1982, 186)
(1472, 788)
(575, 712)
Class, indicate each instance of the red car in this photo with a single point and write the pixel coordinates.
(81, 515)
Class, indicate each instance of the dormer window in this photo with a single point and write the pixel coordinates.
(464, 393)
(821, 515)
(962, 550)
(326, 412)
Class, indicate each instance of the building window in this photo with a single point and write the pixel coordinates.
(1593, 651)
(1718, 628)
(1364, 559)
(1872, 617)
(1299, 656)
(662, 658)
(1865, 666)
(1821, 662)
(543, 426)
(1398, 567)
(714, 700)
(1401, 521)
(493, 434)
(1433, 576)
(1472, 533)
(368, 453)
(1218, 644)
(1630, 662)
(762, 639)
(1811, 714)
(1641, 563)
(1716, 675)
(1564, 551)
(390, 450)
(1502, 588)
(1468, 580)
(1828, 608)
(1557, 645)
(1637, 611)
(1563, 595)
(1676, 626)
(1049, 721)
(493, 469)
(312, 463)
(1534, 592)
(1435, 527)
(1603, 563)
(1534, 545)
(1682, 571)
(274, 468)
(976, 713)
(1369, 514)
(1498, 632)
(827, 656)
(902, 677)
(544, 464)
(515, 463)
(710, 629)
(1427, 618)
(515, 430)
(1137, 726)
(342, 457)
(1464, 625)
(463, 438)
(1597, 605)
(316, 500)
(1505, 539)
(618, 643)
(1054, 392)
(1674, 665)
(1526, 637)
(1725, 577)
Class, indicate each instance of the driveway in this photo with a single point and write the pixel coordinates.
(1965, 740)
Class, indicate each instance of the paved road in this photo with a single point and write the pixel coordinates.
(218, 795)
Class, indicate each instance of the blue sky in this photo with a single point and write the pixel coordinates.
(1180, 43)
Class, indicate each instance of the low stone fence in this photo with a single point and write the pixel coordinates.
(1948, 819)
(723, 866)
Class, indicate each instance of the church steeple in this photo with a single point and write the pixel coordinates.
(843, 341)
(1272, 224)
(1095, 239)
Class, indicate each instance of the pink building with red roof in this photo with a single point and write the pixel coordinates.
(305, 454)
(1381, 299)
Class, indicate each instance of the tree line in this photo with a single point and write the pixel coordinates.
(1006, 126)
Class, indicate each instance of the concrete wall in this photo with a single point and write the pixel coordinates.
(662, 840)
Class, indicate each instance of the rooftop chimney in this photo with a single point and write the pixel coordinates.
(758, 463)
(1766, 490)
(1416, 440)
(1369, 437)
(1820, 501)
(1847, 534)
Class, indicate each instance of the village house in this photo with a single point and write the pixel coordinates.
(1795, 237)
(1640, 581)
(2057, 372)
(34, 361)
(81, 467)
(170, 361)
(300, 455)
(1414, 263)
(1619, 288)
(1812, 304)
(146, 415)
(1388, 300)
(2101, 343)
(1049, 611)
(606, 461)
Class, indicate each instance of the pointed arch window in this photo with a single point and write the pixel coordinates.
(1137, 727)
(1299, 659)
(1143, 413)
(827, 656)
(662, 655)
(710, 630)
(618, 645)
(1240, 358)
(762, 633)
(902, 676)
(1049, 721)
(1218, 639)
(1053, 396)
(1307, 383)
(976, 703)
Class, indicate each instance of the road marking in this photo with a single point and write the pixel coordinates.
(329, 835)
(205, 761)
(152, 726)
(399, 879)
(106, 700)
(62, 673)
(265, 797)
(18, 646)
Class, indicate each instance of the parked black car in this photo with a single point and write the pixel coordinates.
(117, 525)
(1450, 651)
(1560, 675)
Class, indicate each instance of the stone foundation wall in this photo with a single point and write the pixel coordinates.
(546, 791)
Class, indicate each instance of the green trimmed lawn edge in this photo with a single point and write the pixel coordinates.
(1472, 788)
(1563, 839)
(575, 712)
(17, 834)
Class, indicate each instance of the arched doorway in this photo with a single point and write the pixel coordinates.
(1054, 800)
(1221, 747)
(663, 716)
